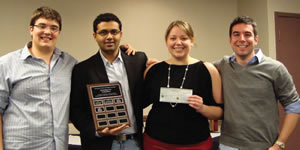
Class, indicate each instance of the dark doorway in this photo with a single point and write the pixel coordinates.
(287, 29)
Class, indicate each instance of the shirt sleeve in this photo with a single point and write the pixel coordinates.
(293, 108)
(4, 89)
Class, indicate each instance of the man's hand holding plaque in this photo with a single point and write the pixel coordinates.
(112, 131)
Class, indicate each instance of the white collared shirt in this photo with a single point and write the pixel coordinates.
(116, 72)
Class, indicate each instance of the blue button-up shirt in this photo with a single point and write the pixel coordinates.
(34, 100)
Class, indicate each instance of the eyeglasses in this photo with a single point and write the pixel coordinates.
(106, 32)
(53, 28)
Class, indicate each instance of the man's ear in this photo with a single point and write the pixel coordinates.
(94, 35)
(256, 38)
(30, 30)
(121, 34)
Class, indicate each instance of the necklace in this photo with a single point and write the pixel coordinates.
(181, 86)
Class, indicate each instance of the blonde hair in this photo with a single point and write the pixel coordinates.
(186, 27)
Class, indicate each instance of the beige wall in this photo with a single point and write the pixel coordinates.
(144, 22)
(262, 11)
(256, 9)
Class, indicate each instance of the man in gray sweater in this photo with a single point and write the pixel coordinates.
(253, 83)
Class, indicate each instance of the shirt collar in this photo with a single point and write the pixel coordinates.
(257, 58)
(259, 54)
(26, 53)
(106, 62)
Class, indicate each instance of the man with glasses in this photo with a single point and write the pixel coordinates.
(35, 87)
(109, 65)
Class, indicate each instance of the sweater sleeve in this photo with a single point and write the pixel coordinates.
(284, 86)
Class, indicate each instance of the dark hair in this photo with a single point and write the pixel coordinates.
(47, 13)
(246, 20)
(186, 27)
(106, 17)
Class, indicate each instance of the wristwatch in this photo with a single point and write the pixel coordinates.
(280, 144)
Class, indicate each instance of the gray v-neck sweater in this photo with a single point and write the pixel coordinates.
(251, 116)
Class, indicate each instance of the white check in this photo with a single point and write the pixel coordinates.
(174, 95)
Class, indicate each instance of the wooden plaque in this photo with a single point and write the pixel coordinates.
(108, 105)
